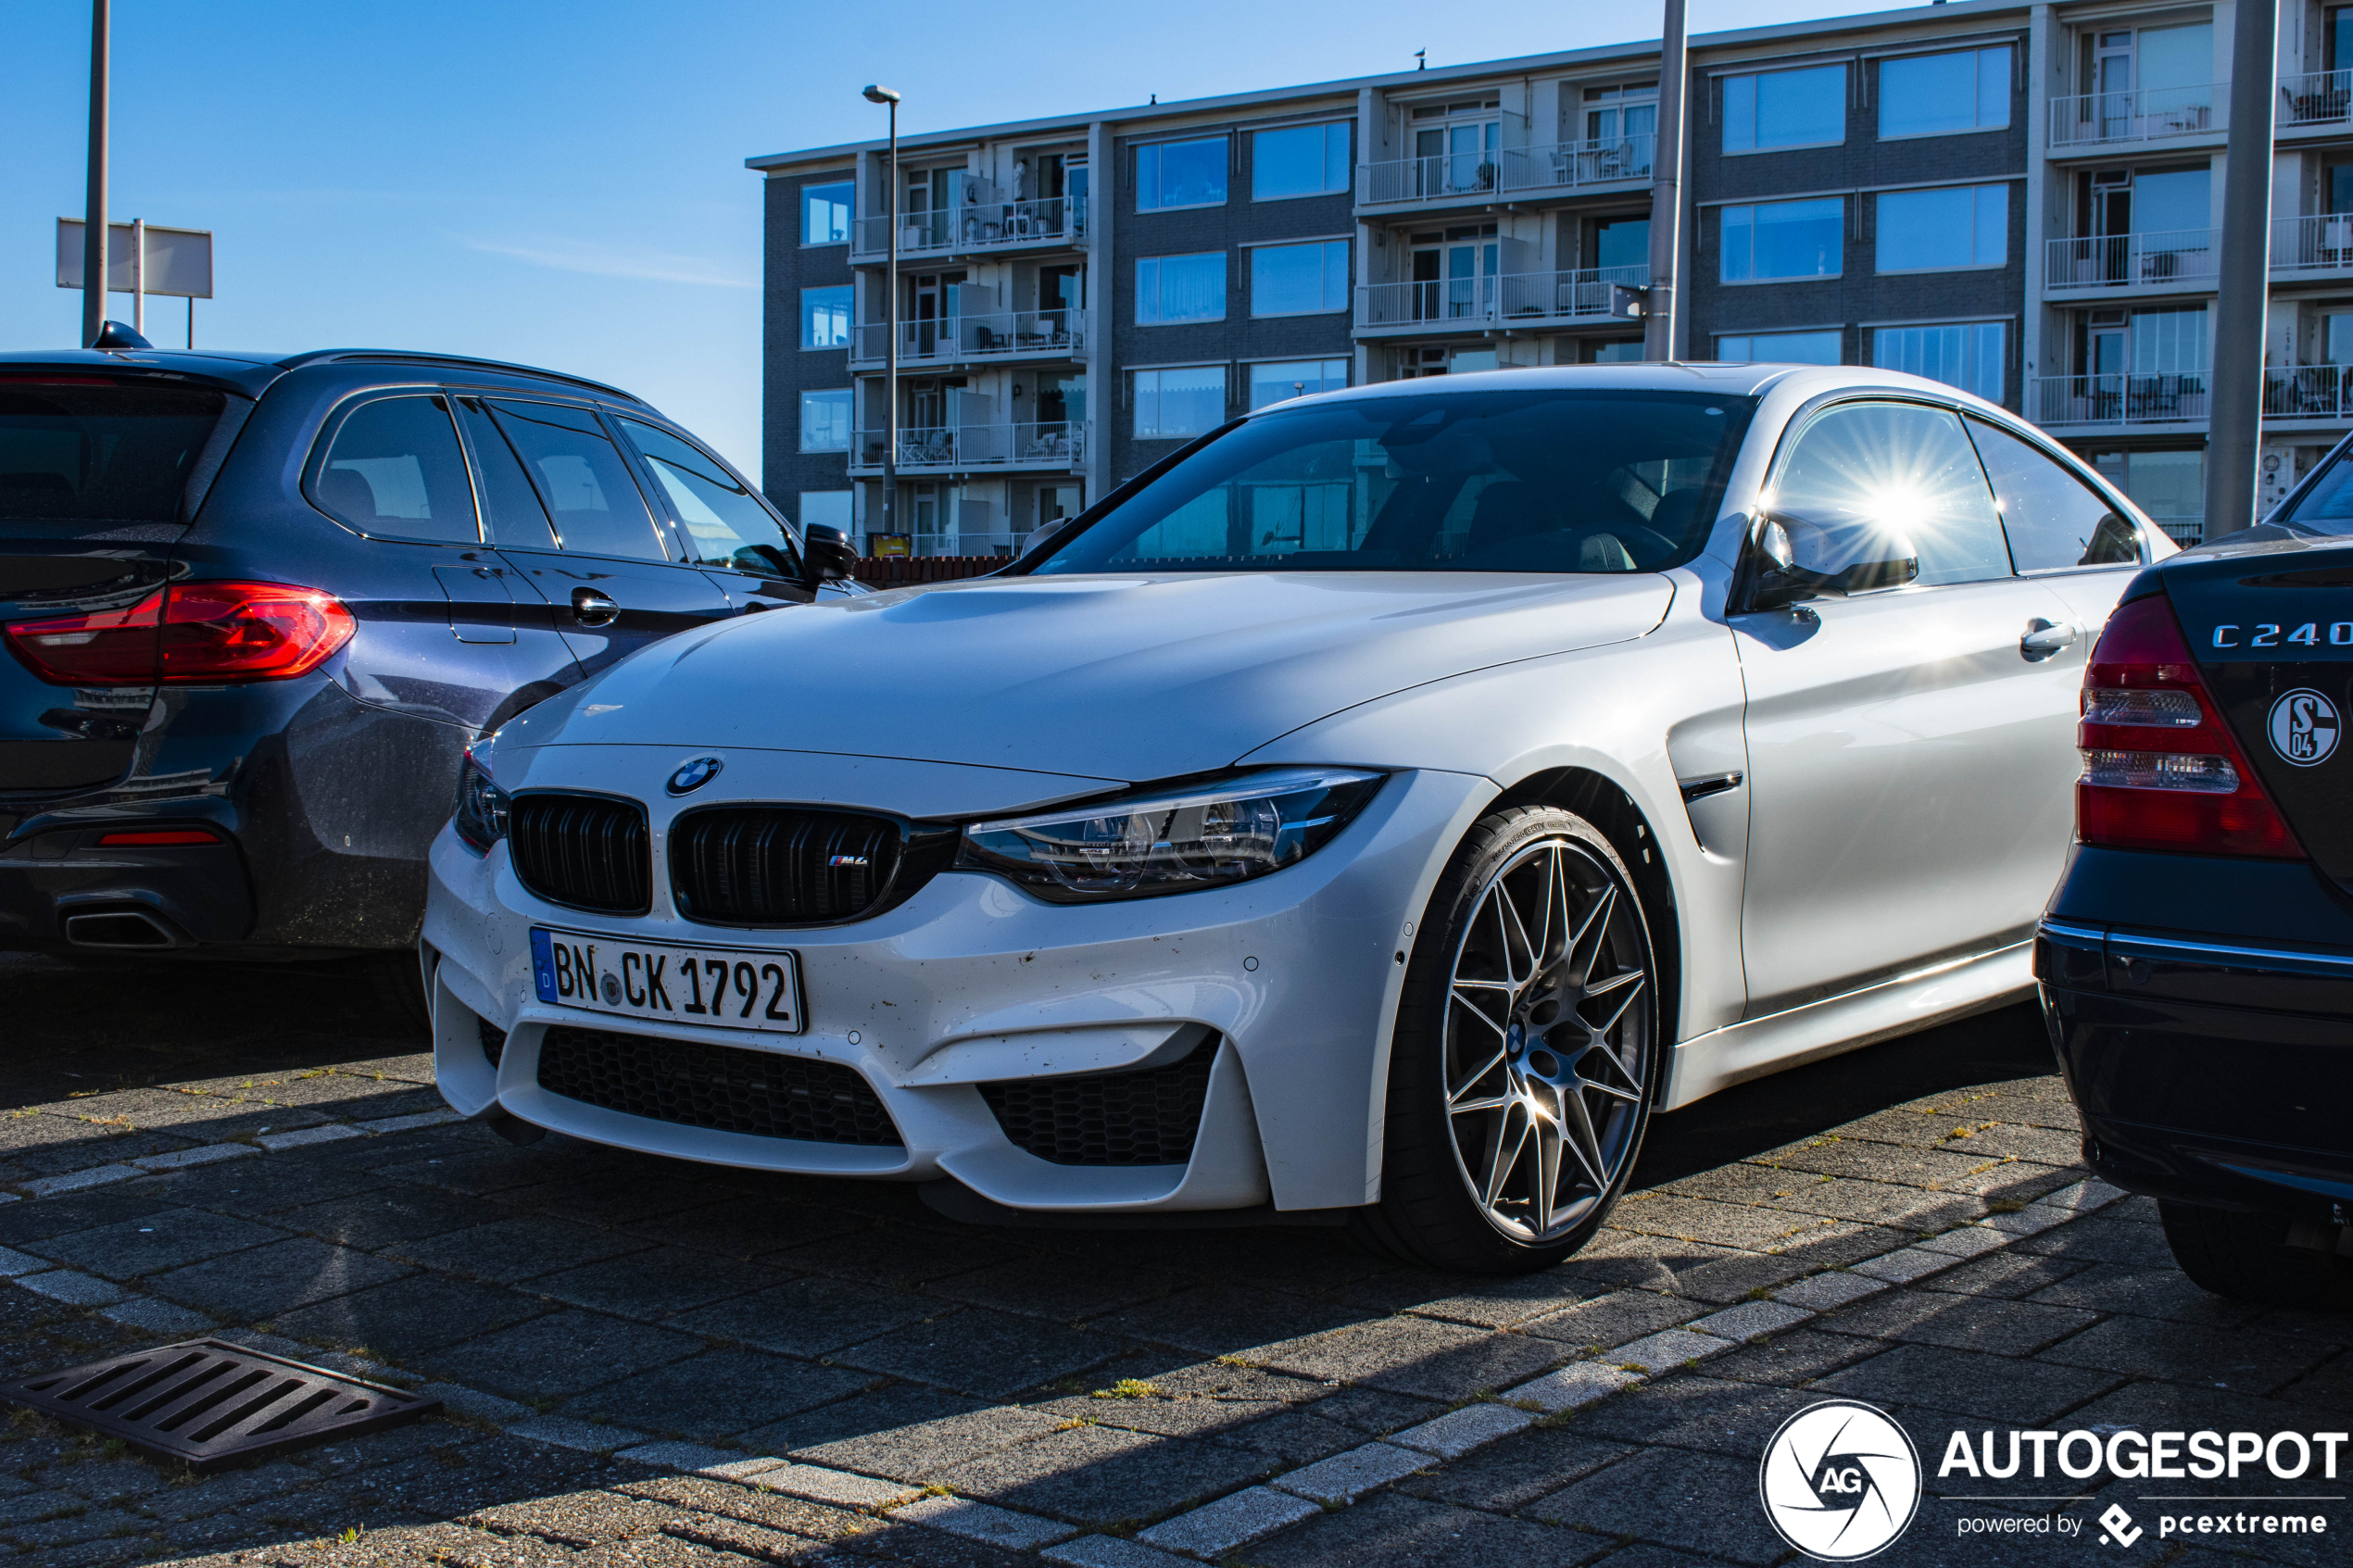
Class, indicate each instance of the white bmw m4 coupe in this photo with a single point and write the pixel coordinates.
(1384, 804)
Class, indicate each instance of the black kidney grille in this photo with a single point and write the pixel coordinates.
(770, 865)
(1146, 1118)
(583, 851)
(720, 1087)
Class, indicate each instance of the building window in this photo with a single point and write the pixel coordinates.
(1781, 348)
(1299, 160)
(827, 509)
(1799, 239)
(825, 421)
(1944, 95)
(1273, 381)
(824, 213)
(1180, 174)
(1964, 354)
(2169, 486)
(825, 317)
(1298, 280)
(1187, 401)
(1785, 109)
(1943, 230)
(1625, 351)
(1180, 288)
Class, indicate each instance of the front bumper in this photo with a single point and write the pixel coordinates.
(2209, 1068)
(972, 980)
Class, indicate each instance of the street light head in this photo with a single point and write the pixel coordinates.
(877, 94)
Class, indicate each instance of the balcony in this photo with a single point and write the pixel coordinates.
(1455, 177)
(974, 448)
(954, 340)
(2181, 257)
(2308, 392)
(1053, 223)
(2171, 398)
(2153, 114)
(2322, 243)
(2321, 98)
(1514, 299)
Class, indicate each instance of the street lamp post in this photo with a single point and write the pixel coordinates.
(877, 94)
(94, 233)
(1666, 188)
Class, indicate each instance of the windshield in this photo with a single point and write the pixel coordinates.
(2327, 507)
(86, 448)
(1537, 479)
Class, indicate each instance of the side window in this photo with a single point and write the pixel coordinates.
(583, 480)
(1878, 481)
(510, 510)
(725, 523)
(394, 468)
(2053, 519)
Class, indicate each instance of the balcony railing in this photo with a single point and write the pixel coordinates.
(2322, 243)
(2149, 115)
(2308, 392)
(956, 449)
(2115, 261)
(2183, 531)
(2324, 97)
(983, 225)
(1512, 299)
(950, 339)
(2164, 398)
(1470, 176)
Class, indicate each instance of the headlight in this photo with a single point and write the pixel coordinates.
(1175, 841)
(481, 818)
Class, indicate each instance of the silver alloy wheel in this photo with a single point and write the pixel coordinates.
(1547, 1054)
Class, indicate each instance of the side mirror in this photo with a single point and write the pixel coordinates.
(1886, 561)
(826, 555)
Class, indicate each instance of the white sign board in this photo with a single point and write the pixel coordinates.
(179, 260)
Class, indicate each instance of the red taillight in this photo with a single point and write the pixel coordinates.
(2161, 770)
(153, 839)
(189, 633)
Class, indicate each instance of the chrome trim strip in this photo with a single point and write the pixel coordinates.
(2231, 955)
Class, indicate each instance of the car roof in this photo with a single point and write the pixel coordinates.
(251, 373)
(1742, 380)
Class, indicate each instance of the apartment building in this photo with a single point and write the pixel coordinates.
(2019, 199)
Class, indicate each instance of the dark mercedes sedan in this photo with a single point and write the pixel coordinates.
(2197, 960)
(257, 607)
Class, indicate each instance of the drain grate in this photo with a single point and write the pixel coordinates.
(212, 1403)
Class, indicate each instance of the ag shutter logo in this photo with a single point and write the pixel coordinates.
(2303, 727)
(1840, 1481)
(694, 776)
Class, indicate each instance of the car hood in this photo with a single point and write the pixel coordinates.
(1128, 678)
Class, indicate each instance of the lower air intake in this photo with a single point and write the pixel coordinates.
(1144, 1118)
(721, 1087)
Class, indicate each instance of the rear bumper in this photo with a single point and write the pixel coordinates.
(2211, 1067)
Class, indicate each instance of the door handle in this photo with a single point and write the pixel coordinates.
(593, 608)
(2044, 638)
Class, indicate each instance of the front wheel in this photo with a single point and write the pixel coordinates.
(1526, 1054)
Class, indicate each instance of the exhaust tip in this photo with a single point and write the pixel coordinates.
(120, 929)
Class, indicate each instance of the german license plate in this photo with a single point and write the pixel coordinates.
(740, 987)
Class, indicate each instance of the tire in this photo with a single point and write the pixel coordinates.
(1577, 1095)
(400, 991)
(2246, 1258)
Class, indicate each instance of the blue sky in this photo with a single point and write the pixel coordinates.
(563, 184)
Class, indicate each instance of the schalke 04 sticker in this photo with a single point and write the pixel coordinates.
(2303, 727)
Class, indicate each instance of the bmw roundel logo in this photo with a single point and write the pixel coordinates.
(694, 774)
(2304, 726)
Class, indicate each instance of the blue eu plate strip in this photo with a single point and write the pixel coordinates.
(543, 964)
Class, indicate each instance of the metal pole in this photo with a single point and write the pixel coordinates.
(93, 231)
(2234, 427)
(1666, 189)
(139, 276)
(891, 366)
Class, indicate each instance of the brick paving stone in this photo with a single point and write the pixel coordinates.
(735, 1228)
(590, 1436)
(2008, 1328)
(2142, 1293)
(838, 1488)
(1751, 1319)
(1396, 1528)
(1725, 1280)
(1103, 1475)
(147, 1314)
(1290, 1437)
(1794, 1358)
(383, 1213)
(2007, 1274)
(258, 1188)
(1109, 1551)
(2103, 1238)
(809, 1317)
(1904, 1267)
(1464, 1431)
(131, 1247)
(717, 1394)
(981, 1522)
(1376, 1410)
(976, 1351)
(1345, 1477)
(653, 1283)
(1728, 1224)
(187, 1158)
(1964, 1241)
(1820, 1293)
(76, 1181)
(1228, 1320)
(13, 1263)
(250, 1285)
(564, 1352)
(1234, 1521)
(1615, 1319)
(1573, 1386)
(898, 1256)
(1517, 1470)
(1884, 1203)
(1695, 1410)
(900, 1434)
(1657, 1353)
(1486, 1303)
(304, 1137)
(1440, 1361)
(508, 1252)
(1672, 1497)
(1063, 1291)
(410, 1316)
(2246, 1358)
(74, 1288)
(1969, 1383)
